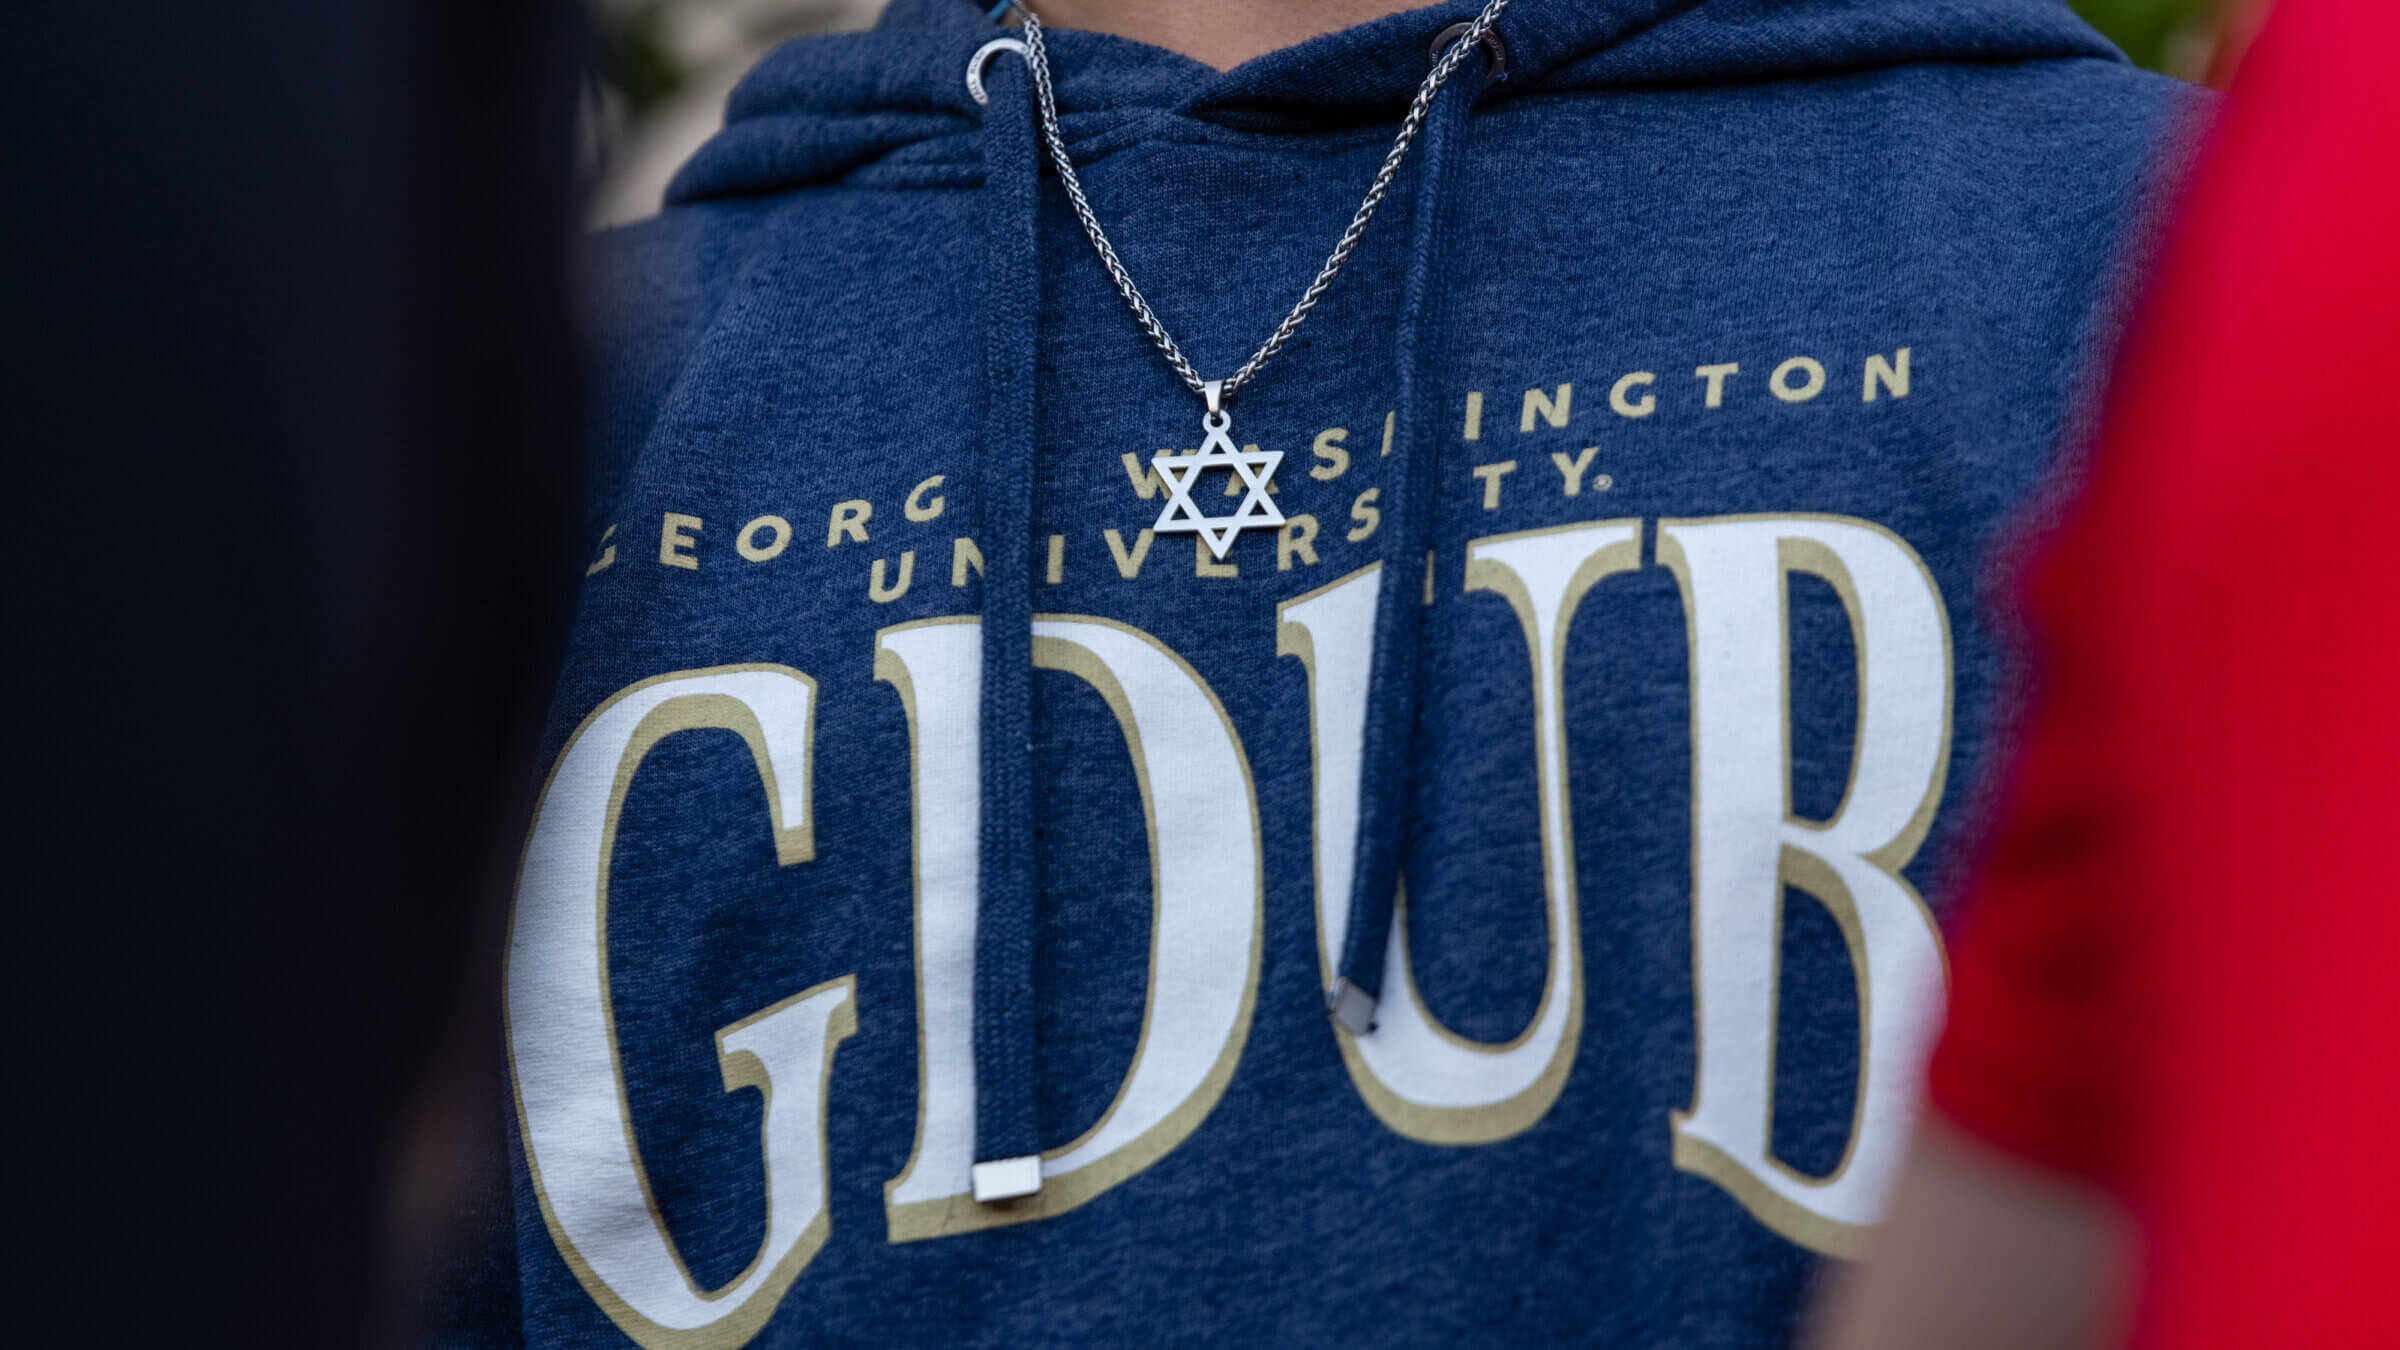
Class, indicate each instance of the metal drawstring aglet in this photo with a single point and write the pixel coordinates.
(1351, 1006)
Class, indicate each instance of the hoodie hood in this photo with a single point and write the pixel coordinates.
(821, 108)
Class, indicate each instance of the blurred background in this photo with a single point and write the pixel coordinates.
(664, 68)
(661, 75)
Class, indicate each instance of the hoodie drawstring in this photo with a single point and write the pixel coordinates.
(1007, 1128)
(1386, 787)
(1007, 1052)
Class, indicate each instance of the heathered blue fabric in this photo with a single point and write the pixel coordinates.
(1414, 465)
(817, 317)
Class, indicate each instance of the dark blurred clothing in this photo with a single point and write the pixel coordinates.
(2177, 979)
(291, 408)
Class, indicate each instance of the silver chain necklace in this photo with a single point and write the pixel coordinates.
(1177, 472)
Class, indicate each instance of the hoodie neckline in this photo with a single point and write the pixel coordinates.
(1371, 67)
(818, 109)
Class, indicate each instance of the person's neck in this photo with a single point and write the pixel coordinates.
(1222, 33)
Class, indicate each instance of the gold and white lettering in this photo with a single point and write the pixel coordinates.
(1551, 410)
(1716, 376)
(1571, 471)
(779, 538)
(1365, 512)
(1812, 380)
(849, 518)
(580, 1149)
(1419, 1077)
(1491, 474)
(1747, 846)
(673, 541)
(1205, 564)
(1328, 447)
(1626, 407)
(1207, 881)
(1129, 560)
(918, 507)
(883, 594)
(1145, 476)
(1297, 539)
(1890, 374)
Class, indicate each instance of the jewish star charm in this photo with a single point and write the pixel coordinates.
(1181, 472)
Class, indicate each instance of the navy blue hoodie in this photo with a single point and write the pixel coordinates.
(1586, 734)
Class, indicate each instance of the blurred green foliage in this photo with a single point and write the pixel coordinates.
(2158, 34)
(635, 57)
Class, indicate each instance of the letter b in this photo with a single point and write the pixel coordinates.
(1747, 846)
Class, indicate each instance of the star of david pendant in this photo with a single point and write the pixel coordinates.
(1180, 472)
